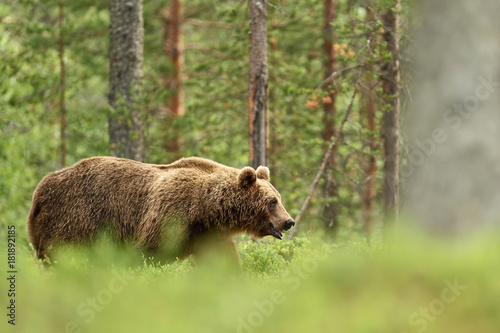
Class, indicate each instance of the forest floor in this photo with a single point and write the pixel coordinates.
(408, 283)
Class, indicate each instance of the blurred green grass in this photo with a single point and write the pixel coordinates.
(400, 285)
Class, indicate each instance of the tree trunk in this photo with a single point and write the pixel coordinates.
(62, 86)
(257, 88)
(390, 130)
(174, 49)
(371, 166)
(126, 55)
(454, 167)
(330, 212)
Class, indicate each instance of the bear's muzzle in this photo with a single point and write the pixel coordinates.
(288, 224)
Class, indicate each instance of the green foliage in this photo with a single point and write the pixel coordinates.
(153, 270)
(410, 283)
(29, 100)
(269, 257)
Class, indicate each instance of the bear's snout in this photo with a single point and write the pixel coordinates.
(288, 224)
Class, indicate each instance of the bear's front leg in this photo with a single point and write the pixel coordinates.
(217, 249)
(229, 247)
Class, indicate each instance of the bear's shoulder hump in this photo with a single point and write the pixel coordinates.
(198, 163)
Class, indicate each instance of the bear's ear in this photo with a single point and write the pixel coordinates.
(263, 173)
(247, 177)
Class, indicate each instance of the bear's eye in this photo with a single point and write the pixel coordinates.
(272, 204)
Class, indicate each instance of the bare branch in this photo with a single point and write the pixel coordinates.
(279, 9)
(323, 164)
(331, 78)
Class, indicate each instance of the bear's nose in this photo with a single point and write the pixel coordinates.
(288, 224)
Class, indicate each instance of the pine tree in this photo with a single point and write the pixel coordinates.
(126, 136)
(390, 122)
(330, 211)
(174, 50)
(257, 88)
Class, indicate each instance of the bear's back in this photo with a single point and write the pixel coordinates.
(197, 163)
(97, 178)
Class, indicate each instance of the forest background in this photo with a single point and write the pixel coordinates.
(214, 111)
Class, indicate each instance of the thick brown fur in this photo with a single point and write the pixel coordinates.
(163, 208)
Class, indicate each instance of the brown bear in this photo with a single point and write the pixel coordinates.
(162, 208)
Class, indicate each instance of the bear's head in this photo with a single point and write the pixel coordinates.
(267, 216)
